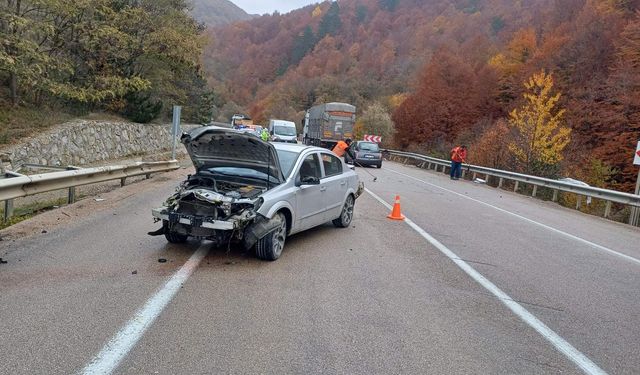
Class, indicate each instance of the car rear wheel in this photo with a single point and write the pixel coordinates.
(346, 216)
(270, 246)
(173, 237)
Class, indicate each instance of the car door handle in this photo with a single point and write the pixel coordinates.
(324, 188)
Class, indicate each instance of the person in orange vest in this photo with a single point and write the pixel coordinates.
(342, 148)
(458, 156)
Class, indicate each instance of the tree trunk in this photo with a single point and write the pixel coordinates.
(13, 87)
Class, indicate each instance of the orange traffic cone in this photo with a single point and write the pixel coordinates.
(395, 213)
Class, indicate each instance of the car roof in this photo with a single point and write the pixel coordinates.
(294, 147)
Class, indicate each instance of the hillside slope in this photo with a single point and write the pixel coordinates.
(476, 53)
(217, 12)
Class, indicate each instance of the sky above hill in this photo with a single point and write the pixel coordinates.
(269, 6)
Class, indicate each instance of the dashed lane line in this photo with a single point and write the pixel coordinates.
(121, 344)
(558, 231)
(564, 347)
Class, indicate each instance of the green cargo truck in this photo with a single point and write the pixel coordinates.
(326, 124)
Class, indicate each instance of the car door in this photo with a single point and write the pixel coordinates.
(310, 199)
(335, 183)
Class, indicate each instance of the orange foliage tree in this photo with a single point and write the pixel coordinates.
(451, 97)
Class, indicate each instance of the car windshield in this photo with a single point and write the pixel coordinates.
(285, 130)
(241, 172)
(368, 146)
(287, 160)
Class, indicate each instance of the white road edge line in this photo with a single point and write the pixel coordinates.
(573, 237)
(582, 361)
(119, 346)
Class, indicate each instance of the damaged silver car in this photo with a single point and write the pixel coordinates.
(255, 193)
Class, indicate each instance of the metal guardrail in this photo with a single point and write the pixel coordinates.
(14, 185)
(587, 191)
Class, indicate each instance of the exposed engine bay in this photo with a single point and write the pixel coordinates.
(204, 195)
(208, 206)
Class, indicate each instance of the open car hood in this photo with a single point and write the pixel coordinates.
(213, 146)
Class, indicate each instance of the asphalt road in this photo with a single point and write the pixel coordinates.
(373, 298)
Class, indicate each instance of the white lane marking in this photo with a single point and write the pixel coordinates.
(582, 361)
(582, 240)
(119, 346)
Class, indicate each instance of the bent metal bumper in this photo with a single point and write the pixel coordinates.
(162, 214)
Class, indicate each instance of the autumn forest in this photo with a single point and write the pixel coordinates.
(550, 87)
(547, 87)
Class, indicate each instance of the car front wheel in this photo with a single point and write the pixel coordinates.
(270, 246)
(346, 216)
(173, 237)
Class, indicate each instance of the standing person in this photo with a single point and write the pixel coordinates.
(458, 156)
(264, 135)
(343, 149)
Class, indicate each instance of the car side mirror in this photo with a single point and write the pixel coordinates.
(307, 180)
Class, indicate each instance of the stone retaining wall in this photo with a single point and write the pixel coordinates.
(86, 142)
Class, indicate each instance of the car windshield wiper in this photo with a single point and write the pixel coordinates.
(244, 175)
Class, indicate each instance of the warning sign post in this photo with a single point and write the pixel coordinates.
(635, 211)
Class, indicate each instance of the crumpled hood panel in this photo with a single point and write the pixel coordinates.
(213, 146)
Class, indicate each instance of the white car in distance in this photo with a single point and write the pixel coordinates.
(283, 131)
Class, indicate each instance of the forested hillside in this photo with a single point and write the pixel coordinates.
(130, 57)
(452, 71)
(216, 12)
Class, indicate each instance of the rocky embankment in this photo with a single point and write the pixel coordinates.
(89, 142)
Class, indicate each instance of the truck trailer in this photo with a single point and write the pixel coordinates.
(326, 124)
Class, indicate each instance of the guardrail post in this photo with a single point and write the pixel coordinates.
(555, 195)
(487, 178)
(607, 210)
(500, 183)
(517, 185)
(474, 176)
(579, 202)
(8, 209)
(429, 166)
(123, 181)
(535, 190)
(147, 176)
(464, 173)
(71, 197)
(634, 218)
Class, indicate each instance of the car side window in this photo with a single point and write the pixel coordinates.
(332, 165)
(310, 167)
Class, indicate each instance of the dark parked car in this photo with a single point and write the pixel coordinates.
(367, 153)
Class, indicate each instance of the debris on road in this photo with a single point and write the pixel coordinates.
(162, 260)
(2, 261)
(44, 231)
(99, 199)
(135, 272)
(479, 181)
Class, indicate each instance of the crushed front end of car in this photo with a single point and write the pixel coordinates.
(220, 202)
